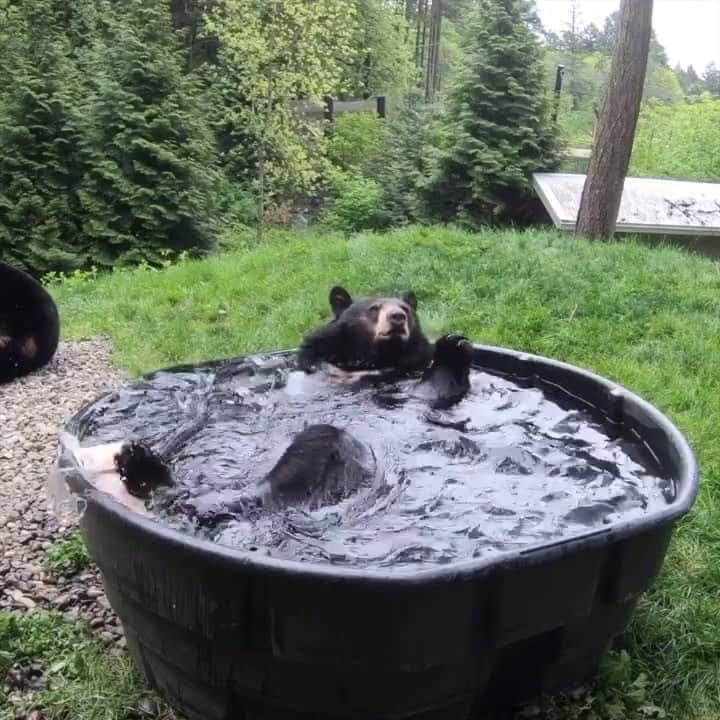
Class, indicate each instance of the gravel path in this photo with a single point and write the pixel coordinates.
(32, 411)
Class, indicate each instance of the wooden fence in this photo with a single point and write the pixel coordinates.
(332, 108)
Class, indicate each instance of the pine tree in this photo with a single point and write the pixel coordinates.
(41, 163)
(151, 181)
(405, 167)
(498, 127)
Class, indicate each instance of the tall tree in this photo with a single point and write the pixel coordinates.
(151, 181)
(41, 158)
(274, 52)
(498, 126)
(711, 78)
(602, 192)
(432, 71)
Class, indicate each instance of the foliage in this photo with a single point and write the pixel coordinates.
(151, 183)
(383, 46)
(407, 163)
(356, 205)
(272, 53)
(113, 126)
(41, 162)
(104, 154)
(498, 121)
(356, 141)
(679, 141)
(585, 51)
(85, 681)
(68, 556)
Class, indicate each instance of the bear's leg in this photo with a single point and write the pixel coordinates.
(447, 380)
(142, 470)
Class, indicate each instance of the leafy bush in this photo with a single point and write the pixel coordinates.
(356, 206)
(69, 556)
(357, 140)
(41, 160)
(679, 141)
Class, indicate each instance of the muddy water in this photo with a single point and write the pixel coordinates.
(508, 467)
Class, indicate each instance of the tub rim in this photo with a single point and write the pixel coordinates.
(686, 483)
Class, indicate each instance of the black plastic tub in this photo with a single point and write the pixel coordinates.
(225, 635)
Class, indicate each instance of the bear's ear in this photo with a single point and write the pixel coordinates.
(411, 299)
(340, 300)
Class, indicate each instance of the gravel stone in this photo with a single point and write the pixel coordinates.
(32, 411)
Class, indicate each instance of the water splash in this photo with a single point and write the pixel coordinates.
(510, 466)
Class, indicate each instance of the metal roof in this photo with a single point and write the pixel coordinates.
(651, 206)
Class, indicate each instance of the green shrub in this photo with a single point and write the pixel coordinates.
(106, 155)
(68, 556)
(407, 162)
(356, 205)
(41, 159)
(679, 141)
(151, 184)
(357, 140)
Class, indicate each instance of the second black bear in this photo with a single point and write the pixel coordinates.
(384, 333)
(29, 324)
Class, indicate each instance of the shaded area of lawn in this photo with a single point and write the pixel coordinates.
(647, 318)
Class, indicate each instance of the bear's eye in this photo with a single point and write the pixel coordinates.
(374, 308)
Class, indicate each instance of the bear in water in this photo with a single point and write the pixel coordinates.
(29, 324)
(323, 465)
(384, 334)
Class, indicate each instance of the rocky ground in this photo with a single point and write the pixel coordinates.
(32, 411)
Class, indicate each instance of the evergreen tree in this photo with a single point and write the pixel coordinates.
(405, 167)
(151, 179)
(498, 131)
(41, 164)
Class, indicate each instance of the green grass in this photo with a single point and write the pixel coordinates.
(68, 556)
(647, 318)
(678, 141)
(85, 681)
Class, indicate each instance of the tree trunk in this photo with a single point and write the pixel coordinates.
(433, 62)
(421, 33)
(261, 193)
(615, 131)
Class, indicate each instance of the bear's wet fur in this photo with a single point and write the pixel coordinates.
(29, 324)
(142, 470)
(323, 465)
(447, 380)
(384, 333)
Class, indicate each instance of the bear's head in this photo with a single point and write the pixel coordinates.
(384, 319)
(380, 331)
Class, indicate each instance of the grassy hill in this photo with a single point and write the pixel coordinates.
(647, 318)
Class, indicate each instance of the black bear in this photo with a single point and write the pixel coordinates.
(368, 334)
(322, 466)
(380, 333)
(29, 324)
